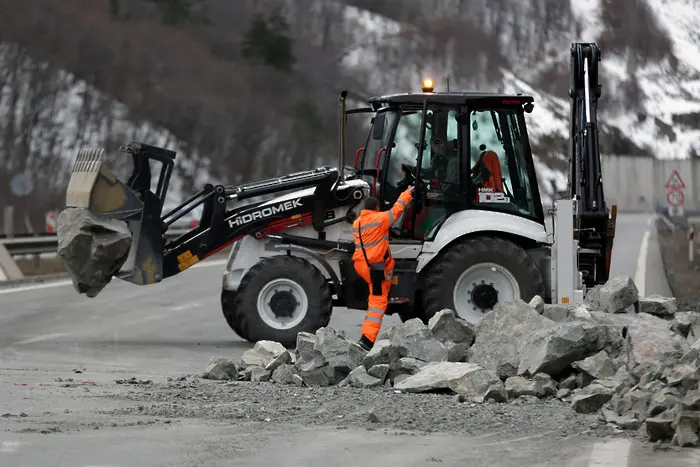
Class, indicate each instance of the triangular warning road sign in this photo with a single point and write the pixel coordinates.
(675, 181)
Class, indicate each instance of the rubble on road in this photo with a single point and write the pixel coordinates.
(618, 295)
(221, 368)
(633, 361)
(658, 305)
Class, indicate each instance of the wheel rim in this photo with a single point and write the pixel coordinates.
(481, 287)
(282, 304)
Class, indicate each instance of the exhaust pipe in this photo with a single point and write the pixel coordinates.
(341, 146)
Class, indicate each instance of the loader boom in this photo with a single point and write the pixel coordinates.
(594, 221)
(219, 227)
(151, 257)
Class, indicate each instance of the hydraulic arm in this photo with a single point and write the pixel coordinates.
(220, 227)
(151, 257)
(594, 221)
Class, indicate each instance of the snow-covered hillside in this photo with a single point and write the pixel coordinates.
(394, 57)
(71, 115)
(667, 93)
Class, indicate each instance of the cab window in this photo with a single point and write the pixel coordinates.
(378, 139)
(440, 166)
(500, 165)
(405, 150)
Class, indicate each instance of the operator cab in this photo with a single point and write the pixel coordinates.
(467, 150)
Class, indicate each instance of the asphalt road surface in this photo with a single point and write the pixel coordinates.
(47, 331)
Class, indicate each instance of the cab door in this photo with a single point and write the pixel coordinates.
(439, 162)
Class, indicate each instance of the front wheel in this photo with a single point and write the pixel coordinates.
(475, 275)
(280, 297)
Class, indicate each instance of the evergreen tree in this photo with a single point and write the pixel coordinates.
(175, 12)
(267, 42)
(172, 12)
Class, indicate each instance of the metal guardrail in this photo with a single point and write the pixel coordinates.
(33, 244)
(27, 235)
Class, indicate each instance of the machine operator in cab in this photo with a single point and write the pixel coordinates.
(373, 261)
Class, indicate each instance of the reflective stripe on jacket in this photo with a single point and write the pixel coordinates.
(375, 227)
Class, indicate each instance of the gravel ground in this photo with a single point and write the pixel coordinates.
(683, 277)
(344, 407)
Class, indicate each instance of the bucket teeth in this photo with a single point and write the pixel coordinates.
(93, 186)
(86, 168)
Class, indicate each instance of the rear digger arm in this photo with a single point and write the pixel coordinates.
(151, 257)
(594, 221)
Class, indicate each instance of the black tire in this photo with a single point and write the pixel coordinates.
(246, 320)
(228, 307)
(442, 276)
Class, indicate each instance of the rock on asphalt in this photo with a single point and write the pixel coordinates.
(575, 366)
(273, 403)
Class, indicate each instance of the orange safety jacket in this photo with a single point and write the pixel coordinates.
(375, 227)
(491, 162)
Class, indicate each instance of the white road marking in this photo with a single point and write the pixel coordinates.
(614, 453)
(516, 440)
(186, 306)
(9, 446)
(44, 337)
(62, 283)
(26, 288)
(640, 275)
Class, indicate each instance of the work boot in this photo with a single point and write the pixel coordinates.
(365, 343)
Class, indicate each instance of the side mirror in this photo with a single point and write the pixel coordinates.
(378, 128)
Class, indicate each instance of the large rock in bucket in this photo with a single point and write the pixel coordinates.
(91, 248)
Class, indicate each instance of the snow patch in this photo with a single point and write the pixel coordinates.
(72, 116)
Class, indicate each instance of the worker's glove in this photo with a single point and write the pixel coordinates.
(404, 183)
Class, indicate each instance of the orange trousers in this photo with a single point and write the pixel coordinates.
(376, 304)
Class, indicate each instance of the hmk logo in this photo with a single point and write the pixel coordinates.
(264, 212)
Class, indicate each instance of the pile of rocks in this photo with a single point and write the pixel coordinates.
(634, 361)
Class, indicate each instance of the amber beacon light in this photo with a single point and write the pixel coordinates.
(428, 85)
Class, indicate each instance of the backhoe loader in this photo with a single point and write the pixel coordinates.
(472, 238)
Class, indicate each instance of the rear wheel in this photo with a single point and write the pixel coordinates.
(475, 275)
(278, 298)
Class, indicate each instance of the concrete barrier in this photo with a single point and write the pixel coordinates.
(8, 267)
(640, 183)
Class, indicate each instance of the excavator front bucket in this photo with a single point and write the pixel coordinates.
(94, 186)
(111, 227)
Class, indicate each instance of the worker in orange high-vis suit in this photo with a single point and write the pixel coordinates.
(372, 259)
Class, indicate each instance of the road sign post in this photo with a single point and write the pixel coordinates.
(675, 198)
(675, 182)
(674, 192)
(51, 222)
(22, 184)
(691, 244)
